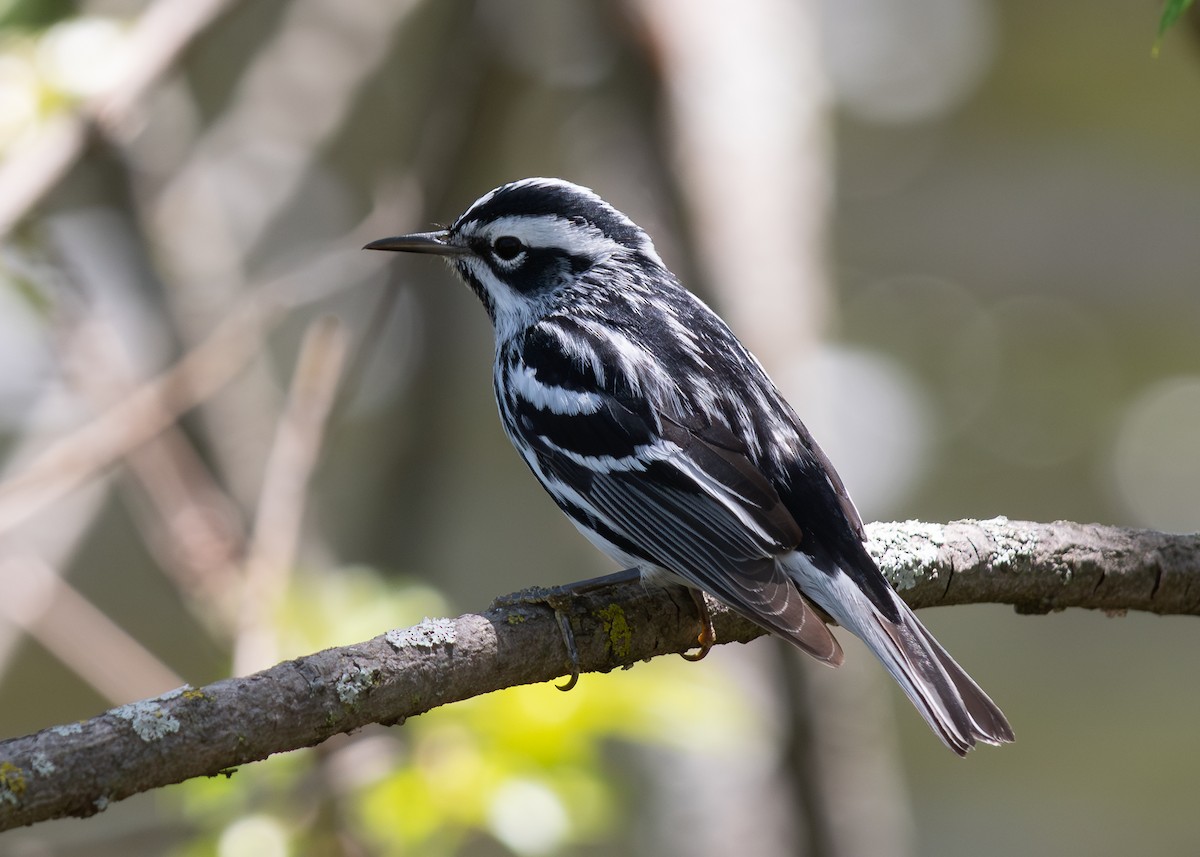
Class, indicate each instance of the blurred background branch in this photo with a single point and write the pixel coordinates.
(152, 50)
(271, 554)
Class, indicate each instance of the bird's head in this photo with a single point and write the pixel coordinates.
(524, 245)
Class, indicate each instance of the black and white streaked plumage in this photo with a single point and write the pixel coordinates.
(667, 445)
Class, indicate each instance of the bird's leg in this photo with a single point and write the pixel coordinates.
(558, 598)
(564, 628)
(708, 637)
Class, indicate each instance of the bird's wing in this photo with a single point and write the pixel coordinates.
(813, 493)
(687, 500)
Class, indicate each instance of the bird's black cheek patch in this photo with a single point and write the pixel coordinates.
(540, 269)
(580, 265)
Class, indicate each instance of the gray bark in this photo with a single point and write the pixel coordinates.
(78, 769)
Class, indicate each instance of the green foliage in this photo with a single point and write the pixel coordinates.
(1172, 10)
(34, 14)
(525, 767)
(51, 60)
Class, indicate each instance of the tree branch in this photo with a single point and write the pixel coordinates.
(78, 769)
(1038, 568)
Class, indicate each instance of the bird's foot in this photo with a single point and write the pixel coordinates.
(708, 637)
(558, 599)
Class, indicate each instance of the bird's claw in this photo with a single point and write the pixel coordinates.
(708, 636)
(564, 627)
(556, 598)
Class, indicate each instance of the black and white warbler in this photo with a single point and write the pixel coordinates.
(666, 444)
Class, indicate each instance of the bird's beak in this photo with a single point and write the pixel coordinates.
(437, 243)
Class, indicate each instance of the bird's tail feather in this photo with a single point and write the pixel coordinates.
(950, 701)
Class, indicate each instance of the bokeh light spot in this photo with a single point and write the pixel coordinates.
(1156, 457)
(528, 817)
(898, 61)
(254, 836)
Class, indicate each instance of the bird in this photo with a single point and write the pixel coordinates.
(667, 445)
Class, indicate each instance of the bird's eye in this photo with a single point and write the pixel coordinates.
(507, 247)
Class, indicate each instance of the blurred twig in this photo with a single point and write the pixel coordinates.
(213, 209)
(80, 769)
(187, 521)
(156, 42)
(369, 340)
(37, 477)
(282, 500)
(54, 542)
(71, 460)
(76, 632)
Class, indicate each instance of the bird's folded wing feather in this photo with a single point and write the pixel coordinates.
(689, 499)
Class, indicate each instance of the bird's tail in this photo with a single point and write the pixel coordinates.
(950, 701)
